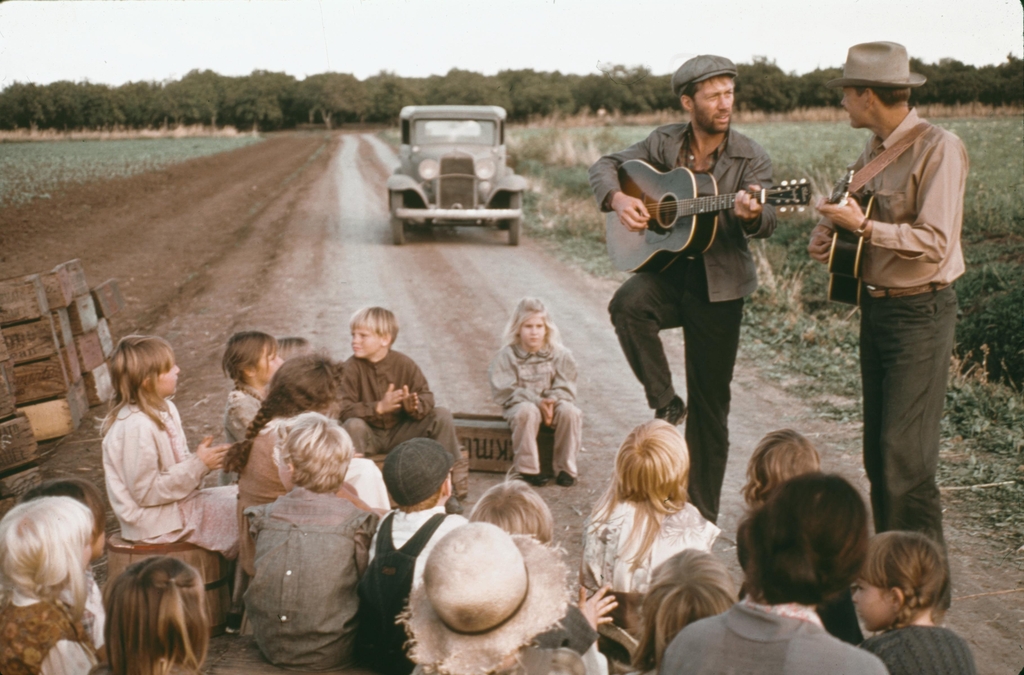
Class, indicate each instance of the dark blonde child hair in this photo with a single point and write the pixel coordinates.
(377, 320)
(689, 586)
(912, 563)
(135, 365)
(526, 308)
(302, 384)
(319, 451)
(157, 621)
(246, 351)
(81, 491)
(288, 347)
(651, 471)
(516, 508)
(780, 455)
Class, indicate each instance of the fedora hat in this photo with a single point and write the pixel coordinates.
(878, 64)
(485, 595)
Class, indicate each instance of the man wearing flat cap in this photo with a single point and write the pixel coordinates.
(702, 293)
(911, 257)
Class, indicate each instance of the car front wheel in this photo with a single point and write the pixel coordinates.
(515, 201)
(397, 224)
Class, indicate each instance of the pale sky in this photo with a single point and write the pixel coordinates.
(115, 42)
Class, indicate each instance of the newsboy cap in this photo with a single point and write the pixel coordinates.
(878, 64)
(415, 470)
(701, 68)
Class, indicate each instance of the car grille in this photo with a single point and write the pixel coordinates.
(456, 184)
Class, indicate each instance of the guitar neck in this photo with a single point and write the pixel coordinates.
(693, 207)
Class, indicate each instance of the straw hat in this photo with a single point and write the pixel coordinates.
(877, 64)
(485, 595)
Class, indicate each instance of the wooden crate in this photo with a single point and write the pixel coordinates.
(16, 484)
(62, 326)
(69, 356)
(3, 348)
(7, 401)
(76, 274)
(82, 314)
(57, 417)
(30, 341)
(98, 387)
(39, 380)
(57, 283)
(90, 351)
(106, 339)
(22, 299)
(488, 441)
(18, 446)
(109, 300)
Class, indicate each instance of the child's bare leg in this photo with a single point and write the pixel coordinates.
(525, 418)
(568, 424)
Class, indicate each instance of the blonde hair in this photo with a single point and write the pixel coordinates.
(245, 351)
(287, 347)
(318, 449)
(516, 508)
(689, 586)
(913, 563)
(135, 365)
(42, 544)
(781, 455)
(157, 621)
(526, 308)
(651, 472)
(380, 321)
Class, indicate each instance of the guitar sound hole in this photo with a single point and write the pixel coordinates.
(667, 211)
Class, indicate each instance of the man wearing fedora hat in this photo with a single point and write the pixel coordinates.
(702, 293)
(911, 256)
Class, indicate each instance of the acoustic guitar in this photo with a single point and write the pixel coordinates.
(846, 253)
(684, 210)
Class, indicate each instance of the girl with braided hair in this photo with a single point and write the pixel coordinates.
(302, 384)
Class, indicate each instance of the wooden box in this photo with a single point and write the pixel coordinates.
(62, 326)
(57, 283)
(17, 444)
(487, 439)
(109, 300)
(98, 387)
(22, 299)
(60, 416)
(90, 351)
(82, 314)
(3, 348)
(30, 341)
(17, 484)
(106, 339)
(69, 356)
(7, 401)
(39, 380)
(76, 274)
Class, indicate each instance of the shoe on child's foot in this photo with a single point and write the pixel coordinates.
(233, 623)
(674, 413)
(535, 479)
(565, 480)
(453, 506)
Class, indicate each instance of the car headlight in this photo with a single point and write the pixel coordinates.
(484, 169)
(428, 169)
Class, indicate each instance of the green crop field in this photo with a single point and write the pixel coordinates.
(33, 170)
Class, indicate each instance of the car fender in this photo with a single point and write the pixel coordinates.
(403, 183)
(510, 183)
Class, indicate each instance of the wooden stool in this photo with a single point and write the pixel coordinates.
(214, 569)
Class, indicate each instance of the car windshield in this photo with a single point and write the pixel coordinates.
(455, 131)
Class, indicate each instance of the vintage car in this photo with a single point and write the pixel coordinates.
(453, 171)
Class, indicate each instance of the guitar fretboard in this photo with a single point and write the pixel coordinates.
(693, 207)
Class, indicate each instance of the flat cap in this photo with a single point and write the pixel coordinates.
(416, 469)
(701, 68)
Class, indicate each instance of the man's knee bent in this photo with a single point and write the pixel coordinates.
(525, 413)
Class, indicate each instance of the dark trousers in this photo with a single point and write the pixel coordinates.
(648, 303)
(905, 348)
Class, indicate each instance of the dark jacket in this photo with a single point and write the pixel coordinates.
(730, 268)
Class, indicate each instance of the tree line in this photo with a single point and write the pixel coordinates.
(267, 100)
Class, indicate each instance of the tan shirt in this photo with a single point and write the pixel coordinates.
(918, 211)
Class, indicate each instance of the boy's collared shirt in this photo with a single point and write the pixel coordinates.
(365, 383)
(405, 525)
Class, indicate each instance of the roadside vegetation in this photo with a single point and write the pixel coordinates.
(809, 345)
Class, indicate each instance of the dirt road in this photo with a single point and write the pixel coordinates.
(291, 236)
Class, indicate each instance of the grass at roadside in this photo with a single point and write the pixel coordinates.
(810, 345)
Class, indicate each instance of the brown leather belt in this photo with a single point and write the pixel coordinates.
(876, 292)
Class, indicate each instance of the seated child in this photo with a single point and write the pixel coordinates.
(156, 620)
(385, 398)
(516, 508)
(302, 384)
(418, 476)
(644, 518)
(44, 549)
(533, 379)
(689, 586)
(88, 494)
(287, 347)
(900, 593)
(295, 536)
(485, 596)
(152, 479)
(250, 360)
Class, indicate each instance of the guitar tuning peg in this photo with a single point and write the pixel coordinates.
(803, 180)
(785, 183)
(782, 209)
(801, 209)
